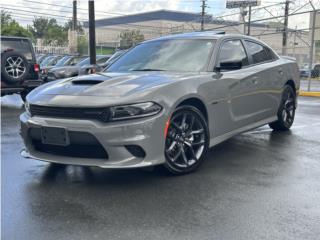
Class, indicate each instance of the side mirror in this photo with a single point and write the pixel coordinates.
(232, 65)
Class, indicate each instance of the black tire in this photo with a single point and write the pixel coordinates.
(286, 111)
(187, 140)
(14, 67)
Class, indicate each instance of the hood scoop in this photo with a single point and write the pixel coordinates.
(86, 82)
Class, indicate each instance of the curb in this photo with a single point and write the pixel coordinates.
(309, 94)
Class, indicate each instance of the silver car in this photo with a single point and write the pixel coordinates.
(164, 102)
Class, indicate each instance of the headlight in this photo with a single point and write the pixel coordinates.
(134, 111)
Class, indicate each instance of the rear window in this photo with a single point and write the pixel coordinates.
(21, 46)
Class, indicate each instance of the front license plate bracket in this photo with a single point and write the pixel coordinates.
(55, 136)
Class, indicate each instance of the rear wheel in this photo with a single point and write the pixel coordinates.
(14, 67)
(186, 140)
(286, 110)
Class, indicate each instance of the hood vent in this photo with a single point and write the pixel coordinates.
(86, 82)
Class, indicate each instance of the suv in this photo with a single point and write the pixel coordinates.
(19, 69)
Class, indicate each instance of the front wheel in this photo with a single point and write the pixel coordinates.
(286, 111)
(187, 140)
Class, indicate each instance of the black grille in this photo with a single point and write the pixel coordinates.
(101, 114)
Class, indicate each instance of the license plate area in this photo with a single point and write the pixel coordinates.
(54, 136)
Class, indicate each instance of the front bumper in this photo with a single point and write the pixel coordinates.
(147, 133)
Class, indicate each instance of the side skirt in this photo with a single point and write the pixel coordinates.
(216, 140)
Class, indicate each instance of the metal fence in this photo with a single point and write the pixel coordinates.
(51, 49)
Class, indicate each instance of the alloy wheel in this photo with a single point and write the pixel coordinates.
(288, 109)
(15, 66)
(186, 140)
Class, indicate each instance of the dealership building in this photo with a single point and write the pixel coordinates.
(163, 22)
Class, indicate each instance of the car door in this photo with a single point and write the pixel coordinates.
(237, 109)
(269, 78)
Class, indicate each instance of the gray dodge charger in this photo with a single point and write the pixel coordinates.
(165, 101)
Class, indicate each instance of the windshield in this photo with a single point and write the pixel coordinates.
(62, 61)
(189, 55)
(46, 60)
(85, 61)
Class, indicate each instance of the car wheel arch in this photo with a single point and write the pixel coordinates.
(194, 102)
(291, 84)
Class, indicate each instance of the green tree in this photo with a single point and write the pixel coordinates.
(129, 38)
(9, 27)
(49, 30)
(82, 45)
(68, 25)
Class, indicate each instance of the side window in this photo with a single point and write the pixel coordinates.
(233, 51)
(259, 53)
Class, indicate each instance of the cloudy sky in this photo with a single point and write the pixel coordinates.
(25, 10)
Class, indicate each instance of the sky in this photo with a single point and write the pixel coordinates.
(25, 10)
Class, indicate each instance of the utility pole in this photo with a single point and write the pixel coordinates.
(249, 21)
(74, 18)
(285, 28)
(294, 41)
(92, 33)
(203, 13)
(313, 26)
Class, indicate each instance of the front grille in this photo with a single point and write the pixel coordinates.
(82, 145)
(101, 114)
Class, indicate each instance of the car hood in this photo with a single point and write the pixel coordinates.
(108, 86)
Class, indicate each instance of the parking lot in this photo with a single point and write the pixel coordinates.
(258, 185)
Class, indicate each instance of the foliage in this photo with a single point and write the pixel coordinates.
(82, 45)
(68, 25)
(9, 27)
(49, 30)
(129, 38)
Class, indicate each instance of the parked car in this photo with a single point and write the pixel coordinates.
(51, 60)
(19, 69)
(67, 60)
(315, 71)
(166, 101)
(71, 71)
(40, 57)
(93, 68)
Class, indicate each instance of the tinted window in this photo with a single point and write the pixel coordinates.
(166, 55)
(21, 46)
(233, 51)
(259, 53)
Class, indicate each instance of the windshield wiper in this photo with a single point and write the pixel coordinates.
(147, 69)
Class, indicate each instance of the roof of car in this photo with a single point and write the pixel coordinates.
(205, 35)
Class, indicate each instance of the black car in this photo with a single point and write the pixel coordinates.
(19, 68)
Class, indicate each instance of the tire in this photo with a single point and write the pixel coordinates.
(286, 111)
(187, 140)
(14, 67)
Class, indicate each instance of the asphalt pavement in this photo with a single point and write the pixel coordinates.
(257, 185)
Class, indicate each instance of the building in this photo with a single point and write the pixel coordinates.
(163, 22)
